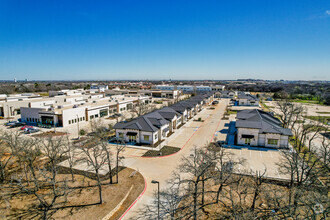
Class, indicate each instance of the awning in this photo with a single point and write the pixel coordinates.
(131, 133)
(247, 136)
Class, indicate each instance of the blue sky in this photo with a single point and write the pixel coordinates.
(162, 39)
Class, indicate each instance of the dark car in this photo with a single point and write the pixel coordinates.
(16, 124)
(116, 115)
(221, 143)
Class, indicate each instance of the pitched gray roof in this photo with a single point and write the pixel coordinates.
(168, 113)
(254, 118)
(154, 120)
(242, 95)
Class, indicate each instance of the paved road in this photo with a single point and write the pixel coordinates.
(160, 169)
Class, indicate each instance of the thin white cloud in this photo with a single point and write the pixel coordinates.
(327, 12)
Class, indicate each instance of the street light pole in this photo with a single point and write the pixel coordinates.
(78, 126)
(54, 122)
(156, 182)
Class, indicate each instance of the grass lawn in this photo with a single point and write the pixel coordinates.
(307, 101)
(265, 107)
(323, 119)
(314, 128)
(323, 112)
(166, 150)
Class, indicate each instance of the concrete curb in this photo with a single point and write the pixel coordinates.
(145, 188)
(113, 211)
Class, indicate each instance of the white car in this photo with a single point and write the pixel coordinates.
(30, 130)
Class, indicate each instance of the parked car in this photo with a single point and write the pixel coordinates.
(16, 124)
(116, 115)
(26, 126)
(9, 123)
(222, 143)
(30, 130)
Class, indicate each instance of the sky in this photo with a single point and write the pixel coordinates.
(165, 39)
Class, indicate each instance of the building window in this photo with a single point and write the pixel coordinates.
(72, 121)
(272, 141)
(248, 141)
(121, 135)
(75, 120)
(146, 137)
(156, 136)
(96, 116)
(92, 116)
(69, 122)
(103, 112)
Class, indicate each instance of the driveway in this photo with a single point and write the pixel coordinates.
(160, 169)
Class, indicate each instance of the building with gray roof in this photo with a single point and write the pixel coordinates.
(247, 99)
(155, 126)
(258, 128)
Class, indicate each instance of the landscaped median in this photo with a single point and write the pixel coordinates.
(165, 151)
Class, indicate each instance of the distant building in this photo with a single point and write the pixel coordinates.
(218, 88)
(165, 87)
(258, 128)
(99, 88)
(190, 88)
(244, 99)
(170, 94)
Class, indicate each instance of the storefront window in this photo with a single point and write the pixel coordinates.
(272, 141)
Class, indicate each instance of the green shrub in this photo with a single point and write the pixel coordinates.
(82, 132)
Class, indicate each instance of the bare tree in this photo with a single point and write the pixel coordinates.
(289, 112)
(7, 148)
(95, 158)
(119, 148)
(141, 108)
(109, 159)
(70, 153)
(258, 181)
(41, 180)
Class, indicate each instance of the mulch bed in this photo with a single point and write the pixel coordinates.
(50, 134)
(166, 150)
